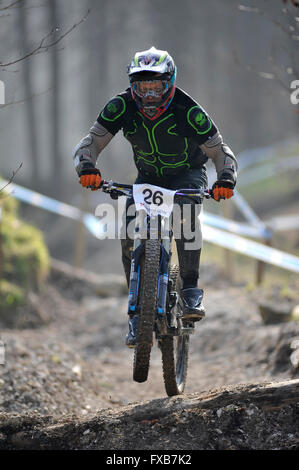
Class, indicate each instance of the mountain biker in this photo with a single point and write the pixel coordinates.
(172, 138)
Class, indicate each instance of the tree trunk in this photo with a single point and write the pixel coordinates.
(57, 161)
(28, 87)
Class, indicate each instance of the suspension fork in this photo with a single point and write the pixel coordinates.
(138, 250)
(160, 229)
(165, 257)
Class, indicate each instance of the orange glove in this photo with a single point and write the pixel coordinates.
(90, 177)
(223, 189)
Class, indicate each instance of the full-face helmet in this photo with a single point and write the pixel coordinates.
(152, 75)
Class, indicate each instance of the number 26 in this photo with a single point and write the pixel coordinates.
(156, 197)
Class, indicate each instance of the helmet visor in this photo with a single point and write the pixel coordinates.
(150, 89)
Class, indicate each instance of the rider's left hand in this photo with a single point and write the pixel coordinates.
(223, 189)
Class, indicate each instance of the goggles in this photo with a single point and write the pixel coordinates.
(146, 88)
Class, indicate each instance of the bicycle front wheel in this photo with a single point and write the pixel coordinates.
(148, 304)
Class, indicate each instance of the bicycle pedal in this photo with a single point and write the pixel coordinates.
(189, 324)
(191, 320)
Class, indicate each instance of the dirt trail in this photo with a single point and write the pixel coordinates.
(255, 416)
(70, 367)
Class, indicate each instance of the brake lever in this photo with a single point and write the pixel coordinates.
(114, 194)
(106, 186)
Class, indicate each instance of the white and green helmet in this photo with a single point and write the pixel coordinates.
(153, 64)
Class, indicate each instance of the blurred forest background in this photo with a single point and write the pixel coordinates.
(61, 60)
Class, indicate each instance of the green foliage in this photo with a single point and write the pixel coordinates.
(24, 256)
(10, 296)
(250, 287)
(287, 293)
(9, 204)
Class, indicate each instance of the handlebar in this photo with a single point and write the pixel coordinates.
(117, 189)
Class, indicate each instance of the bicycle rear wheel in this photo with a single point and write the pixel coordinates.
(175, 352)
(148, 305)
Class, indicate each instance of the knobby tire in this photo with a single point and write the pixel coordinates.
(175, 352)
(148, 305)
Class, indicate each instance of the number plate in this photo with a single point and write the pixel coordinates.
(153, 199)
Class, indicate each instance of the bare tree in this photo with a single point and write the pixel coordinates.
(47, 44)
(12, 177)
(284, 19)
(28, 86)
(48, 41)
(57, 167)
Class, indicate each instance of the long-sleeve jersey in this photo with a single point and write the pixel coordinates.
(183, 138)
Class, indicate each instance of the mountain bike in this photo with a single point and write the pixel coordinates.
(155, 284)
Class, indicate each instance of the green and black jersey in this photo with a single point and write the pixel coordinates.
(163, 147)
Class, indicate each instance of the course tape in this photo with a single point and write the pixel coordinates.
(52, 205)
(268, 170)
(95, 227)
(251, 157)
(211, 234)
(284, 223)
(251, 216)
(235, 227)
(251, 248)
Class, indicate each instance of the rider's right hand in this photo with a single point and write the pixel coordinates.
(90, 176)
